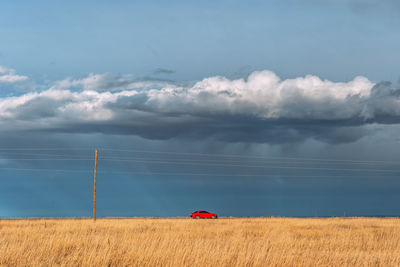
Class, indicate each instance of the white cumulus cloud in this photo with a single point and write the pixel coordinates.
(266, 96)
(8, 75)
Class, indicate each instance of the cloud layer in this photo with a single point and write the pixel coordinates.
(261, 108)
(8, 76)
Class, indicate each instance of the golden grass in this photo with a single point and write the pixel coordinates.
(187, 242)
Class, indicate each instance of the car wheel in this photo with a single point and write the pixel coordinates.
(197, 217)
(212, 217)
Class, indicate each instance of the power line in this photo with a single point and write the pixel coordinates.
(48, 159)
(34, 169)
(193, 174)
(200, 154)
(44, 149)
(35, 154)
(183, 160)
(200, 163)
(251, 166)
(241, 156)
(230, 161)
(234, 175)
(298, 161)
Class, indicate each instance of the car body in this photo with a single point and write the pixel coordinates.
(203, 214)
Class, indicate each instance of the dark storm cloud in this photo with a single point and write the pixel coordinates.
(259, 109)
(38, 108)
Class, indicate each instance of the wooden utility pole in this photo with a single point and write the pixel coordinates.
(94, 193)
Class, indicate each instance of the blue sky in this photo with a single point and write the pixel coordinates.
(310, 87)
(336, 39)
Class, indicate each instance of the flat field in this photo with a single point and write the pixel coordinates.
(188, 242)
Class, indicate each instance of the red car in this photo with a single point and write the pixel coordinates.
(203, 214)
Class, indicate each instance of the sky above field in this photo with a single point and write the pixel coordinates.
(244, 108)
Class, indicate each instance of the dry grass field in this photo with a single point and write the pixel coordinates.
(188, 242)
